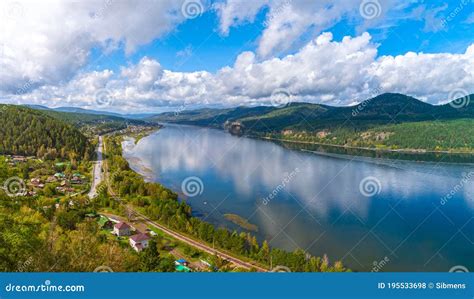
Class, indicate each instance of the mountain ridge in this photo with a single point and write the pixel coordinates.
(382, 109)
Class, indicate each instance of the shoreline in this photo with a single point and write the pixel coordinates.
(404, 151)
(381, 150)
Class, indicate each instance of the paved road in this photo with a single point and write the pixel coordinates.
(97, 171)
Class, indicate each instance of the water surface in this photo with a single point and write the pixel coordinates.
(387, 215)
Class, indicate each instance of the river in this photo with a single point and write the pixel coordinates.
(373, 214)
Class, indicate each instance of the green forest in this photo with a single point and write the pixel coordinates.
(24, 131)
(446, 135)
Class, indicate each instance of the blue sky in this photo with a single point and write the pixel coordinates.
(197, 45)
(164, 54)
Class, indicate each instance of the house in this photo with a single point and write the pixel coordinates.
(59, 175)
(76, 180)
(64, 183)
(35, 181)
(182, 265)
(139, 241)
(105, 223)
(65, 189)
(19, 159)
(51, 179)
(181, 268)
(122, 229)
(181, 262)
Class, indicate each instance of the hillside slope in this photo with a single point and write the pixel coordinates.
(390, 120)
(384, 109)
(24, 131)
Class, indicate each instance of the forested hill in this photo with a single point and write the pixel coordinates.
(383, 109)
(388, 121)
(25, 131)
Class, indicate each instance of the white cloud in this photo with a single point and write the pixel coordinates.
(334, 72)
(287, 20)
(43, 49)
(46, 42)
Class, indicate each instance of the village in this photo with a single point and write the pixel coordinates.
(61, 178)
(51, 179)
(137, 234)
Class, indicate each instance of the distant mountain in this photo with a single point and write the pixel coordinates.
(85, 111)
(25, 131)
(383, 109)
(94, 112)
(38, 107)
(80, 117)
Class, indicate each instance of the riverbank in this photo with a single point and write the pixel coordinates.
(388, 150)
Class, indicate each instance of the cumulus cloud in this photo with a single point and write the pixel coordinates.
(46, 42)
(287, 20)
(333, 72)
(44, 48)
